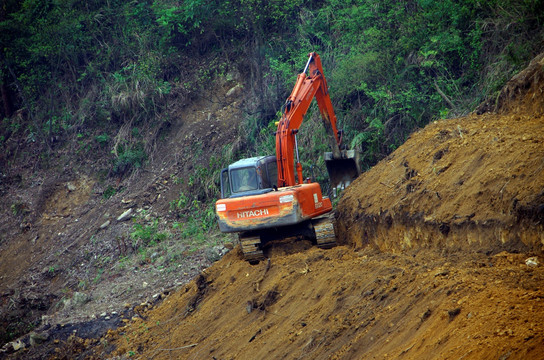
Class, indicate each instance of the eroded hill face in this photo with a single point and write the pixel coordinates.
(442, 260)
(470, 183)
(60, 237)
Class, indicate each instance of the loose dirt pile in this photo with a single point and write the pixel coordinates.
(443, 260)
(471, 183)
(341, 304)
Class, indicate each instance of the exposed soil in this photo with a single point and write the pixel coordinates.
(346, 304)
(441, 257)
(59, 235)
(471, 183)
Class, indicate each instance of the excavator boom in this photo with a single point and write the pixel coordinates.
(308, 86)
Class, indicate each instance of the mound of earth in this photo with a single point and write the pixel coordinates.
(341, 304)
(442, 259)
(470, 183)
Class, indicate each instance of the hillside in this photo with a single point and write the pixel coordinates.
(471, 183)
(117, 117)
(66, 256)
(442, 260)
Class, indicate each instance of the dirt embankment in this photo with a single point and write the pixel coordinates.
(341, 304)
(471, 183)
(442, 260)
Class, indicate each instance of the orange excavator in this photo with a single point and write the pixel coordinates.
(263, 200)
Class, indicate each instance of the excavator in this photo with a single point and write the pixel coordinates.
(266, 198)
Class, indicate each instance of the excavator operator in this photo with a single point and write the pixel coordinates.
(248, 179)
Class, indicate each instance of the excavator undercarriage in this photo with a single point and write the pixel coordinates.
(319, 230)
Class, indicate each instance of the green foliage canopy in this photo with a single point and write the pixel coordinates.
(392, 66)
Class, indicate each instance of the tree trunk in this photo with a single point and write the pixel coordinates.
(6, 103)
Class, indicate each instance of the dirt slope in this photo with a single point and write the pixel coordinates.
(437, 262)
(471, 183)
(341, 304)
(59, 234)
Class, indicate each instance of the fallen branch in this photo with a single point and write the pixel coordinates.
(444, 96)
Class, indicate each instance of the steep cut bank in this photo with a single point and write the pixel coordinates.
(470, 183)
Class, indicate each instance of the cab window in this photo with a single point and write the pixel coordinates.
(244, 179)
(272, 169)
(225, 184)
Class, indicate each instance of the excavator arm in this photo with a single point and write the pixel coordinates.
(306, 88)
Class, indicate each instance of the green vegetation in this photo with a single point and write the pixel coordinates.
(102, 74)
(147, 234)
(392, 66)
(109, 192)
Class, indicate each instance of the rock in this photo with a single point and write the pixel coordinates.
(104, 314)
(70, 186)
(67, 304)
(80, 298)
(38, 338)
(125, 216)
(532, 261)
(216, 252)
(234, 91)
(17, 345)
(77, 300)
(105, 225)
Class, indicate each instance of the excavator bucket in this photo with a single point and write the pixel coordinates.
(342, 170)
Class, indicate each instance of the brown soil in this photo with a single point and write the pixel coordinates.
(436, 263)
(471, 183)
(344, 304)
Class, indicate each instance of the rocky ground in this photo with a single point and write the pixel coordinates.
(67, 251)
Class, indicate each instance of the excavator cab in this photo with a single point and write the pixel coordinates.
(251, 176)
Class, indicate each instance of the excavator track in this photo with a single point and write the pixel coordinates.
(324, 232)
(251, 248)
